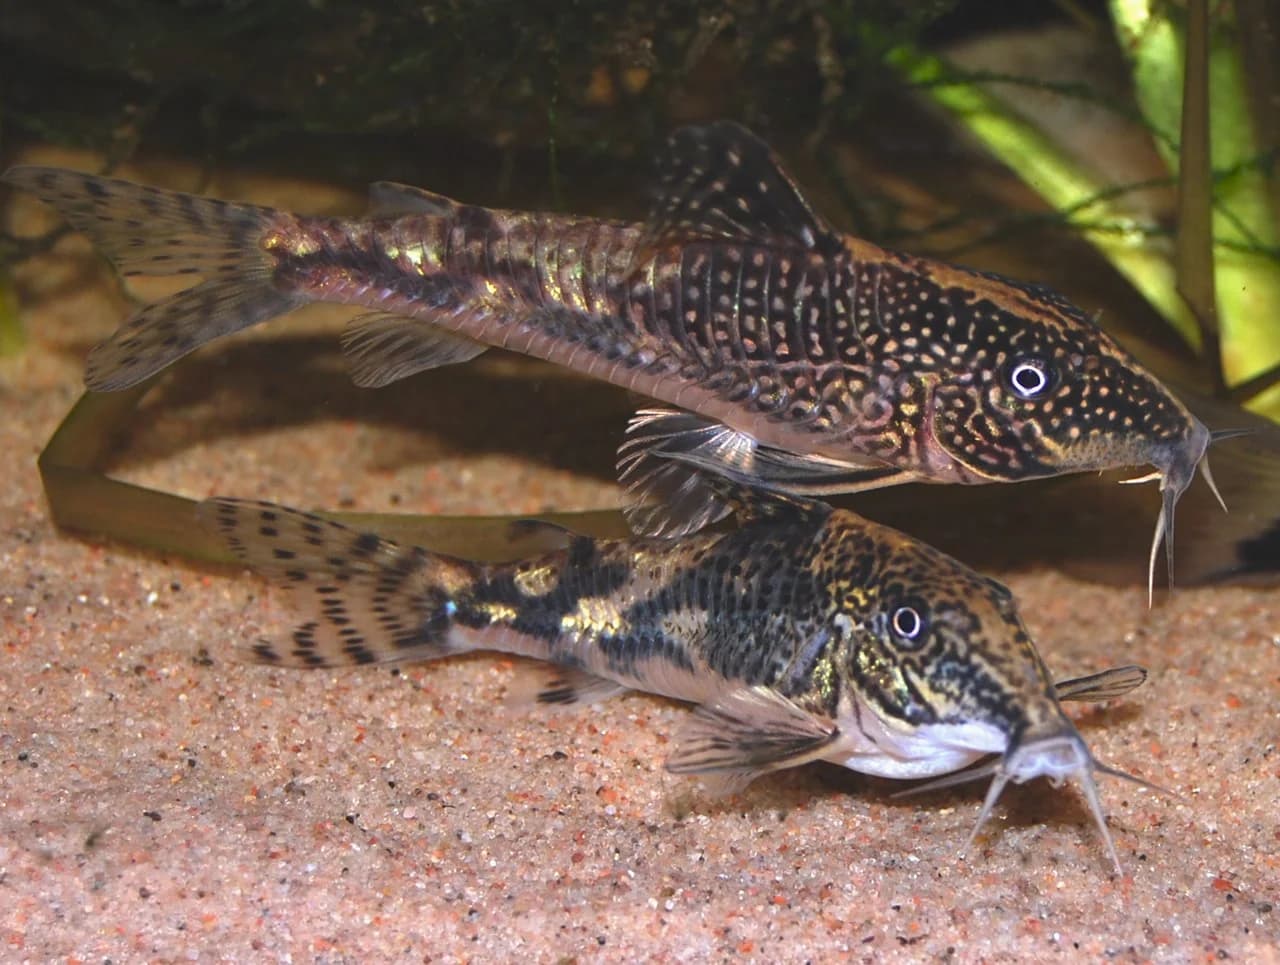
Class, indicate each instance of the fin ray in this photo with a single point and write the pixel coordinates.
(364, 599)
(382, 347)
(148, 231)
(680, 471)
(749, 732)
(159, 334)
(145, 230)
(720, 181)
(666, 498)
(1103, 685)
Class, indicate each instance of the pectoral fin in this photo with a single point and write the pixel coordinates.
(669, 456)
(668, 498)
(747, 733)
(1104, 685)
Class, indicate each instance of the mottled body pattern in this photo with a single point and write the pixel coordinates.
(805, 634)
(793, 356)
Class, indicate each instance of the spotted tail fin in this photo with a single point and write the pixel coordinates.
(364, 599)
(148, 231)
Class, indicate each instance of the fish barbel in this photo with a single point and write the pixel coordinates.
(805, 634)
(789, 355)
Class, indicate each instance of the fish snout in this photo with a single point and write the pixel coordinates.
(1176, 462)
(1178, 459)
(1057, 756)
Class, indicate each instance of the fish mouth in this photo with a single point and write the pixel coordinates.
(1057, 755)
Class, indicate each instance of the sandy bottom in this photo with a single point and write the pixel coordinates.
(163, 800)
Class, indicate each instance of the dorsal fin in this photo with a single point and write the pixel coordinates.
(388, 199)
(720, 181)
(540, 535)
(751, 504)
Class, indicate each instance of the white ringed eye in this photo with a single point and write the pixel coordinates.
(907, 623)
(1029, 378)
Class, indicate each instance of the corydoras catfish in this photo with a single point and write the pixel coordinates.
(790, 355)
(805, 634)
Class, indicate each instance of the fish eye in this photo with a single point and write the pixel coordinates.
(1029, 376)
(907, 623)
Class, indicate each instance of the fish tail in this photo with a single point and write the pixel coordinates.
(149, 231)
(363, 599)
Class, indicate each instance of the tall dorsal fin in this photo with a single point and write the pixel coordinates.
(720, 181)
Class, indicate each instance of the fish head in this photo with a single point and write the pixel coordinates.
(941, 672)
(937, 654)
(1035, 388)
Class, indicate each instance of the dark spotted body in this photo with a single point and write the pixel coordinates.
(804, 634)
(801, 599)
(791, 356)
(858, 353)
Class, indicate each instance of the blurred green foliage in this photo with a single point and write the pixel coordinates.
(1238, 332)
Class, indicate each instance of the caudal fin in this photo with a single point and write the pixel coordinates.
(147, 231)
(364, 599)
